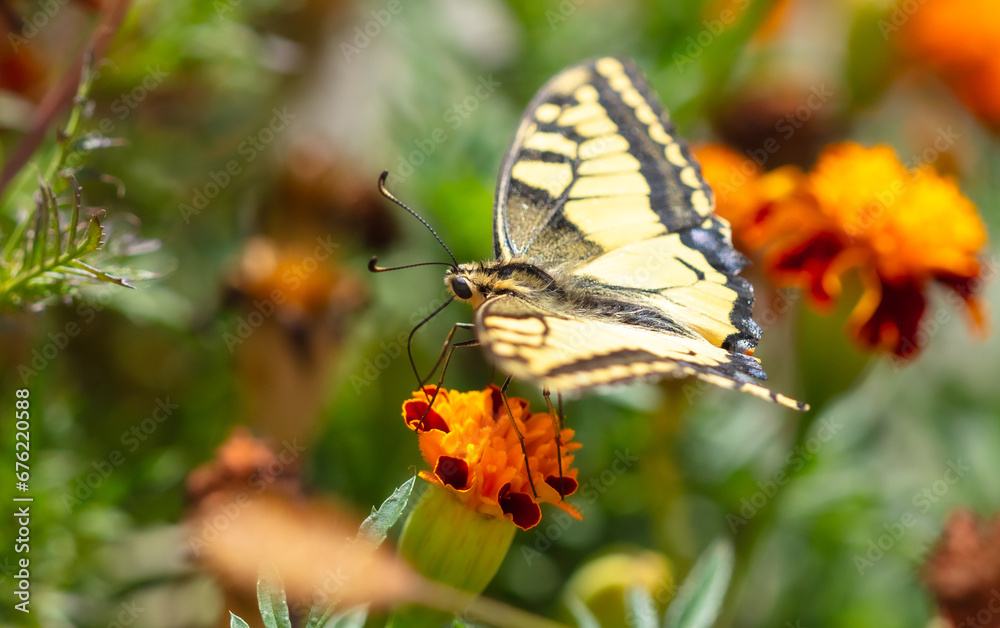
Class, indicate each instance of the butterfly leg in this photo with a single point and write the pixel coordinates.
(444, 349)
(557, 425)
(520, 437)
(409, 339)
(444, 369)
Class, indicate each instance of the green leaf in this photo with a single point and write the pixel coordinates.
(92, 240)
(351, 618)
(271, 600)
(580, 612)
(41, 231)
(375, 528)
(319, 616)
(640, 610)
(235, 621)
(39, 259)
(699, 600)
(99, 275)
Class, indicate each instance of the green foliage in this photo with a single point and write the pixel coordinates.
(42, 254)
(375, 527)
(699, 599)
(46, 260)
(235, 621)
(373, 530)
(640, 610)
(272, 603)
(583, 615)
(271, 600)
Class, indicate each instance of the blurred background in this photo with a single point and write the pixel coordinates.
(241, 189)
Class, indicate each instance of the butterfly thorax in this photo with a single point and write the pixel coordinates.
(476, 282)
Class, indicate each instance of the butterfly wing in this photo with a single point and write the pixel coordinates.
(570, 354)
(599, 192)
(597, 184)
(595, 165)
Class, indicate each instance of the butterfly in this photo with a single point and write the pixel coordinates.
(610, 265)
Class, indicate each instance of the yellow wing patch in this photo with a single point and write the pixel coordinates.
(552, 178)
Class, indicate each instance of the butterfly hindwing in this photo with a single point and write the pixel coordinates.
(570, 354)
(688, 277)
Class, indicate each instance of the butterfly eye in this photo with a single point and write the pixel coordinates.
(461, 288)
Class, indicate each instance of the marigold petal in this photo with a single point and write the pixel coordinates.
(477, 451)
(810, 262)
(860, 207)
(569, 509)
(496, 399)
(966, 288)
(563, 485)
(856, 186)
(523, 510)
(419, 419)
(427, 476)
(958, 39)
(453, 472)
(893, 325)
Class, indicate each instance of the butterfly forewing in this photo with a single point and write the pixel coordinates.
(595, 165)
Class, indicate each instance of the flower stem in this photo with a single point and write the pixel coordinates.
(448, 542)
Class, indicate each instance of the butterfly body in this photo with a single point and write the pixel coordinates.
(610, 265)
(554, 291)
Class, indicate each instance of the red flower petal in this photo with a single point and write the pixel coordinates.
(415, 409)
(967, 287)
(812, 259)
(520, 506)
(497, 398)
(893, 325)
(453, 472)
(563, 485)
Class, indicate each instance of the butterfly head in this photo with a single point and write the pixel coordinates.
(474, 283)
(468, 283)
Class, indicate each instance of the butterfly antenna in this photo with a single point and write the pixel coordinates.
(386, 193)
(375, 268)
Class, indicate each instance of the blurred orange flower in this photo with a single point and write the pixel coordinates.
(858, 208)
(469, 443)
(747, 196)
(960, 40)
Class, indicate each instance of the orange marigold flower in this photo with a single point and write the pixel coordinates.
(749, 198)
(960, 40)
(468, 441)
(858, 207)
